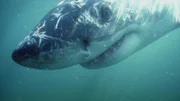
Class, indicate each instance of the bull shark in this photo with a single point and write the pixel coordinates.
(95, 33)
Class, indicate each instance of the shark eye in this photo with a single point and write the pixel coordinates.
(105, 13)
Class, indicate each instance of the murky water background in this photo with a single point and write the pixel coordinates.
(152, 74)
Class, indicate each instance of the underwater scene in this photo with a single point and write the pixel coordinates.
(143, 68)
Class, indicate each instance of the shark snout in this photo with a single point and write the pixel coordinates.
(26, 51)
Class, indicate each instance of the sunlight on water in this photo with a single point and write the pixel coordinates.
(151, 6)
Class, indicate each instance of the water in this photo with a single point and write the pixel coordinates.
(152, 74)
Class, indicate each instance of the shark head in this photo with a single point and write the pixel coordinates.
(68, 35)
(93, 33)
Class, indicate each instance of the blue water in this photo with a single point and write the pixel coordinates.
(152, 74)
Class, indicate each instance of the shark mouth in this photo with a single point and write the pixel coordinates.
(106, 54)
